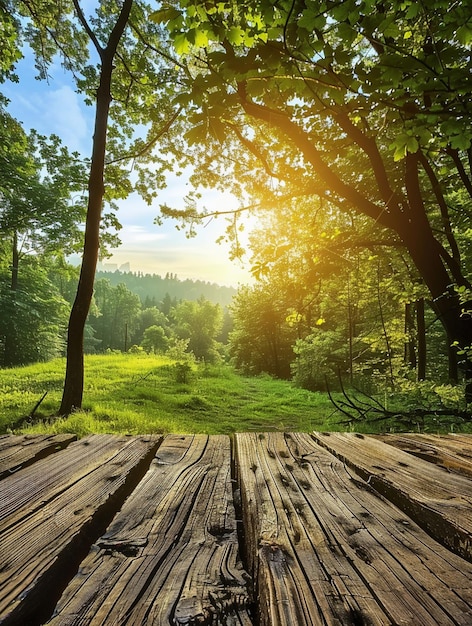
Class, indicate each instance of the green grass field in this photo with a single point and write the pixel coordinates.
(129, 393)
(139, 393)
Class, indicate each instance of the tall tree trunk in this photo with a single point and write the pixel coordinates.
(421, 334)
(426, 254)
(74, 378)
(10, 354)
(15, 260)
(410, 347)
(388, 348)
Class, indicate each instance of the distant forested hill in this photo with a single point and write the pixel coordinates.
(152, 288)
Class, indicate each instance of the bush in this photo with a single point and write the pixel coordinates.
(318, 359)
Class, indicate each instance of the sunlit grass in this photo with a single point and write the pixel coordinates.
(138, 393)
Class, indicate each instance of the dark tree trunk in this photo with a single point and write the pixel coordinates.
(426, 254)
(74, 378)
(421, 334)
(74, 381)
(10, 352)
(15, 260)
(410, 333)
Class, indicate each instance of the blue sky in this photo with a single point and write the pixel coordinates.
(55, 107)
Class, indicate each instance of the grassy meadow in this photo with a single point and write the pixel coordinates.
(139, 393)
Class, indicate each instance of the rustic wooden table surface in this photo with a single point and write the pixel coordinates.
(261, 529)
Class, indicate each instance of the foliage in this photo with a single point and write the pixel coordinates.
(9, 42)
(154, 339)
(261, 340)
(362, 105)
(33, 318)
(319, 358)
(115, 317)
(199, 323)
(337, 298)
(42, 189)
(165, 291)
(39, 218)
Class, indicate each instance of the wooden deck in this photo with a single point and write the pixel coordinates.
(262, 529)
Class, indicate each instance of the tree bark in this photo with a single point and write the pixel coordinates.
(410, 347)
(74, 378)
(10, 353)
(421, 334)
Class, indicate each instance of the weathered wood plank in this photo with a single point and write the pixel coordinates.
(20, 451)
(326, 549)
(30, 489)
(65, 503)
(453, 452)
(439, 501)
(171, 554)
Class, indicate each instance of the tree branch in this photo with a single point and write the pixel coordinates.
(454, 154)
(333, 183)
(150, 143)
(88, 30)
(442, 206)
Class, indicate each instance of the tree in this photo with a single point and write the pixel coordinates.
(151, 316)
(9, 42)
(154, 339)
(116, 315)
(33, 318)
(38, 215)
(200, 323)
(122, 37)
(364, 104)
(262, 338)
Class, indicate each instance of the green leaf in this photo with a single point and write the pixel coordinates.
(412, 145)
(181, 43)
(166, 14)
(460, 142)
(311, 19)
(236, 35)
(389, 28)
(413, 10)
(217, 129)
(196, 134)
(464, 34)
(201, 38)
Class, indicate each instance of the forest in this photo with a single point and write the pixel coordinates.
(344, 127)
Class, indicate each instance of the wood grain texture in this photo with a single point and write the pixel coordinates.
(171, 554)
(29, 490)
(438, 500)
(131, 531)
(452, 452)
(19, 451)
(60, 503)
(326, 549)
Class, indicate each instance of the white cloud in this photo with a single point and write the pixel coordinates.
(61, 111)
(53, 110)
(135, 234)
